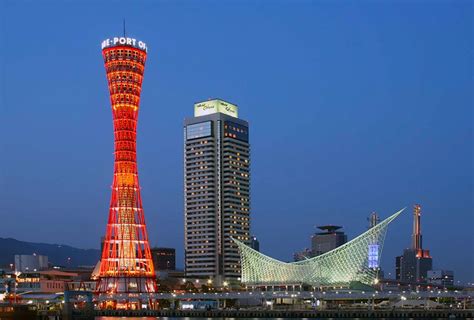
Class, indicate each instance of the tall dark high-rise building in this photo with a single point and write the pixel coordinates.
(254, 243)
(216, 190)
(164, 258)
(398, 267)
(331, 238)
(374, 247)
(373, 219)
(415, 262)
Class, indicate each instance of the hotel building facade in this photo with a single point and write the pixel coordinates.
(216, 190)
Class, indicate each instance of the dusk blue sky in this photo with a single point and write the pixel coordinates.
(354, 107)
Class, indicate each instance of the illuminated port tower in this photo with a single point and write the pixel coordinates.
(126, 266)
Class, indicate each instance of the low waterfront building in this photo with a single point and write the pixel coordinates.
(77, 285)
(44, 281)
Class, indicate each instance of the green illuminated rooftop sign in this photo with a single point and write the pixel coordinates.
(215, 106)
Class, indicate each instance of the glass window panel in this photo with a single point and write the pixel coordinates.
(199, 130)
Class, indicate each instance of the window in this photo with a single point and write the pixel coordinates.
(236, 131)
(198, 130)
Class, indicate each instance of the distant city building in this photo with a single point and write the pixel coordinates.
(164, 258)
(398, 267)
(217, 190)
(443, 278)
(413, 268)
(373, 219)
(33, 262)
(254, 243)
(414, 264)
(302, 255)
(328, 240)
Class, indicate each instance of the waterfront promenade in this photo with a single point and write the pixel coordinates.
(322, 295)
(340, 305)
(326, 314)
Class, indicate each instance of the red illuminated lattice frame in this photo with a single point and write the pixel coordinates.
(126, 264)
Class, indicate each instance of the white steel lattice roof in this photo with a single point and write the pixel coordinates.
(341, 266)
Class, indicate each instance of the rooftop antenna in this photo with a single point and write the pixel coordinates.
(124, 27)
(373, 219)
(417, 228)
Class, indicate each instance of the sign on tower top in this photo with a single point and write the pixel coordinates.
(215, 106)
(124, 41)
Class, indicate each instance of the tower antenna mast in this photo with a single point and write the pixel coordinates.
(124, 28)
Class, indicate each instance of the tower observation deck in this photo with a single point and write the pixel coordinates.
(126, 265)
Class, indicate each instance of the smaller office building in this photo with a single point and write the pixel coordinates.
(444, 278)
(328, 240)
(164, 258)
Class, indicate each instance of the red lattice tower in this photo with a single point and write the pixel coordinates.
(126, 265)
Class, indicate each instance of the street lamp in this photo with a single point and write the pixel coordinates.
(17, 274)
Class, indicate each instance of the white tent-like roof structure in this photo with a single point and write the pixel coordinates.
(341, 266)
